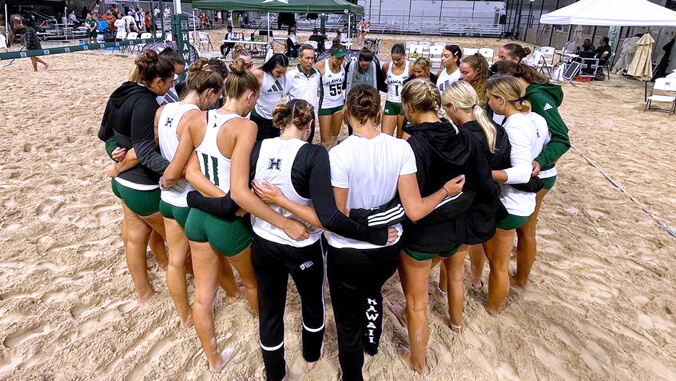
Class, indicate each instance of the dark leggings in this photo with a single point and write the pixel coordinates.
(273, 262)
(356, 277)
(225, 48)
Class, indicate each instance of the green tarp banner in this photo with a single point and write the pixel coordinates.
(76, 48)
(276, 6)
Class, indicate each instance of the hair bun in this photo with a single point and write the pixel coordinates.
(238, 67)
(199, 65)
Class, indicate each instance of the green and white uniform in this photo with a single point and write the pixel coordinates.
(173, 202)
(395, 83)
(227, 237)
(446, 79)
(332, 86)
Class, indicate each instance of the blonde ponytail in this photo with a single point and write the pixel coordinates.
(463, 96)
(510, 89)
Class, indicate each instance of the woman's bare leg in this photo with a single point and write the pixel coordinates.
(389, 124)
(414, 278)
(400, 125)
(455, 268)
(205, 261)
(242, 263)
(336, 125)
(157, 239)
(443, 277)
(136, 232)
(477, 260)
(526, 248)
(179, 250)
(226, 279)
(325, 130)
(498, 250)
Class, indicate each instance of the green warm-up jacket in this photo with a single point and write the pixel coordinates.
(545, 100)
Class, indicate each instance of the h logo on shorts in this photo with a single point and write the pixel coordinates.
(275, 163)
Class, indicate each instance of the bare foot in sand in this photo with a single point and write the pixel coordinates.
(513, 282)
(310, 365)
(407, 360)
(476, 284)
(142, 300)
(226, 355)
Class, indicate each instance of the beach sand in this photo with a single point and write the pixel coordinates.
(600, 304)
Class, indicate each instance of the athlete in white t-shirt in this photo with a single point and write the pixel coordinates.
(450, 67)
(332, 71)
(204, 87)
(367, 170)
(396, 72)
(527, 134)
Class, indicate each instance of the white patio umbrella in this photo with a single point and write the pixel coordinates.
(642, 67)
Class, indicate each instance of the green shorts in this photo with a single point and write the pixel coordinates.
(143, 203)
(226, 237)
(330, 111)
(178, 213)
(548, 182)
(512, 222)
(418, 256)
(392, 108)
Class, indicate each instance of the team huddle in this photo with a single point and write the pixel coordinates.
(453, 164)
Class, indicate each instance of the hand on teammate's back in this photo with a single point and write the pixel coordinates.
(391, 235)
(118, 154)
(455, 185)
(295, 230)
(536, 168)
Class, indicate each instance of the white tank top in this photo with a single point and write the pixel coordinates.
(275, 161)
(395, 83)
(446, 79)
(171, 116)
(270, 96)
(213, 164)
(333, 86)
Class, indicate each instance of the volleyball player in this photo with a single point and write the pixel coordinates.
(332, 71)
(220, 165)
(204, 87)
(396, 72)
(527, 134)
(271, 77)
(474, 70)
(129, 116)
(450, 66)
(461, 103)
(545, 98)
(513, 52)
(441, 152)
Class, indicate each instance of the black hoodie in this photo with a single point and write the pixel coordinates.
(130, 117)
(441, 153)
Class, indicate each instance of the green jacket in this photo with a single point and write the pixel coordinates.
(545, 100)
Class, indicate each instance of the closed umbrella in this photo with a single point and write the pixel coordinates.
(642, 65)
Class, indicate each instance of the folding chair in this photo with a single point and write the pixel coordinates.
(3, 42)
(435, 55)
(548, 54)
(667, 85)
(205, 41)
(131, 36)
(469, 52)
(608, 64)
(487, 53)
(540, 63)
(144, 36)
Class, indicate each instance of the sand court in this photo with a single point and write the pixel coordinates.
(600, 304)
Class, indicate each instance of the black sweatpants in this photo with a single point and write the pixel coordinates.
(355, 279)
(273, 262)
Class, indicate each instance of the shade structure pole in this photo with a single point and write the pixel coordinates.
(269, 31)
(177, 7)
(7, 21)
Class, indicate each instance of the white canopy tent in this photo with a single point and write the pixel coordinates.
(611, 13)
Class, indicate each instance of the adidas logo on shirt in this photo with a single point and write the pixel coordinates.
(547, 107)
(275, 87)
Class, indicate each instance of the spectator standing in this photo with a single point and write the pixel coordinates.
(91, 26)
(120, 24)
(33, 43)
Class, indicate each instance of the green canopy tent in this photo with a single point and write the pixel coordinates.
(277, 6)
